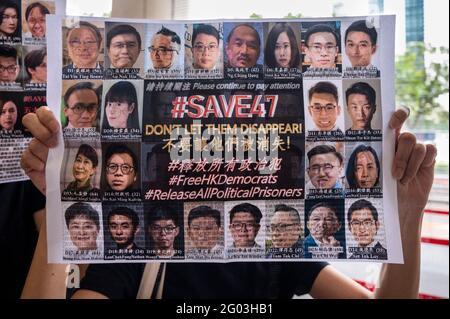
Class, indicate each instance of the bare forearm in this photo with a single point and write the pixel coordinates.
(44, 280)
(402, 280)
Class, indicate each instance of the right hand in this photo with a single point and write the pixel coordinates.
(45, 129)
(413, 168)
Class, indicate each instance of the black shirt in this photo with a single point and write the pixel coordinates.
(18, 234)
(208, 280)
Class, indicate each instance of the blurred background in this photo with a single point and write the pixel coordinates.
(422, 57)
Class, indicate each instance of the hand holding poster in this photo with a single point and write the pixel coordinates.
(223, 141)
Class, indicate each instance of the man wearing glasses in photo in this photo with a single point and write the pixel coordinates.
(286, 233)
(81, 104)
(163, 229)
(123, 44)
(121, 168)
(164, 49)
(205, 47)
(324, 107)
(325, 168)
(364, 225)
(9, 65)
(321, 48)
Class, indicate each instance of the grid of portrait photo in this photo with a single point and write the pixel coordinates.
(222, 141)
(23, 76)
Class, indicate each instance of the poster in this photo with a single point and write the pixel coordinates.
(23, 76)
(222, 141)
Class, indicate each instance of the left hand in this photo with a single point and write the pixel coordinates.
(413, 168)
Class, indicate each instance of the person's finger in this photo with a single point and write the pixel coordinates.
(38, 130)
(38, 149)
(406, 142)
(414, 163)
(430, 156)
(30, 162)
(34, 168)
(48, 119)
(397, 119)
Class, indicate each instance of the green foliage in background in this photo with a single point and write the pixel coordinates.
(293, 16)
(256, 16)
(420, 87)
(288, 16)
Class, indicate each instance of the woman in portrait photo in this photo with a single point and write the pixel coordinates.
(83, 225)
(8, 115)
(83, 46)
(281, 47)
(121, 107)
(83, 169)
(35, 17)
(9, 20)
